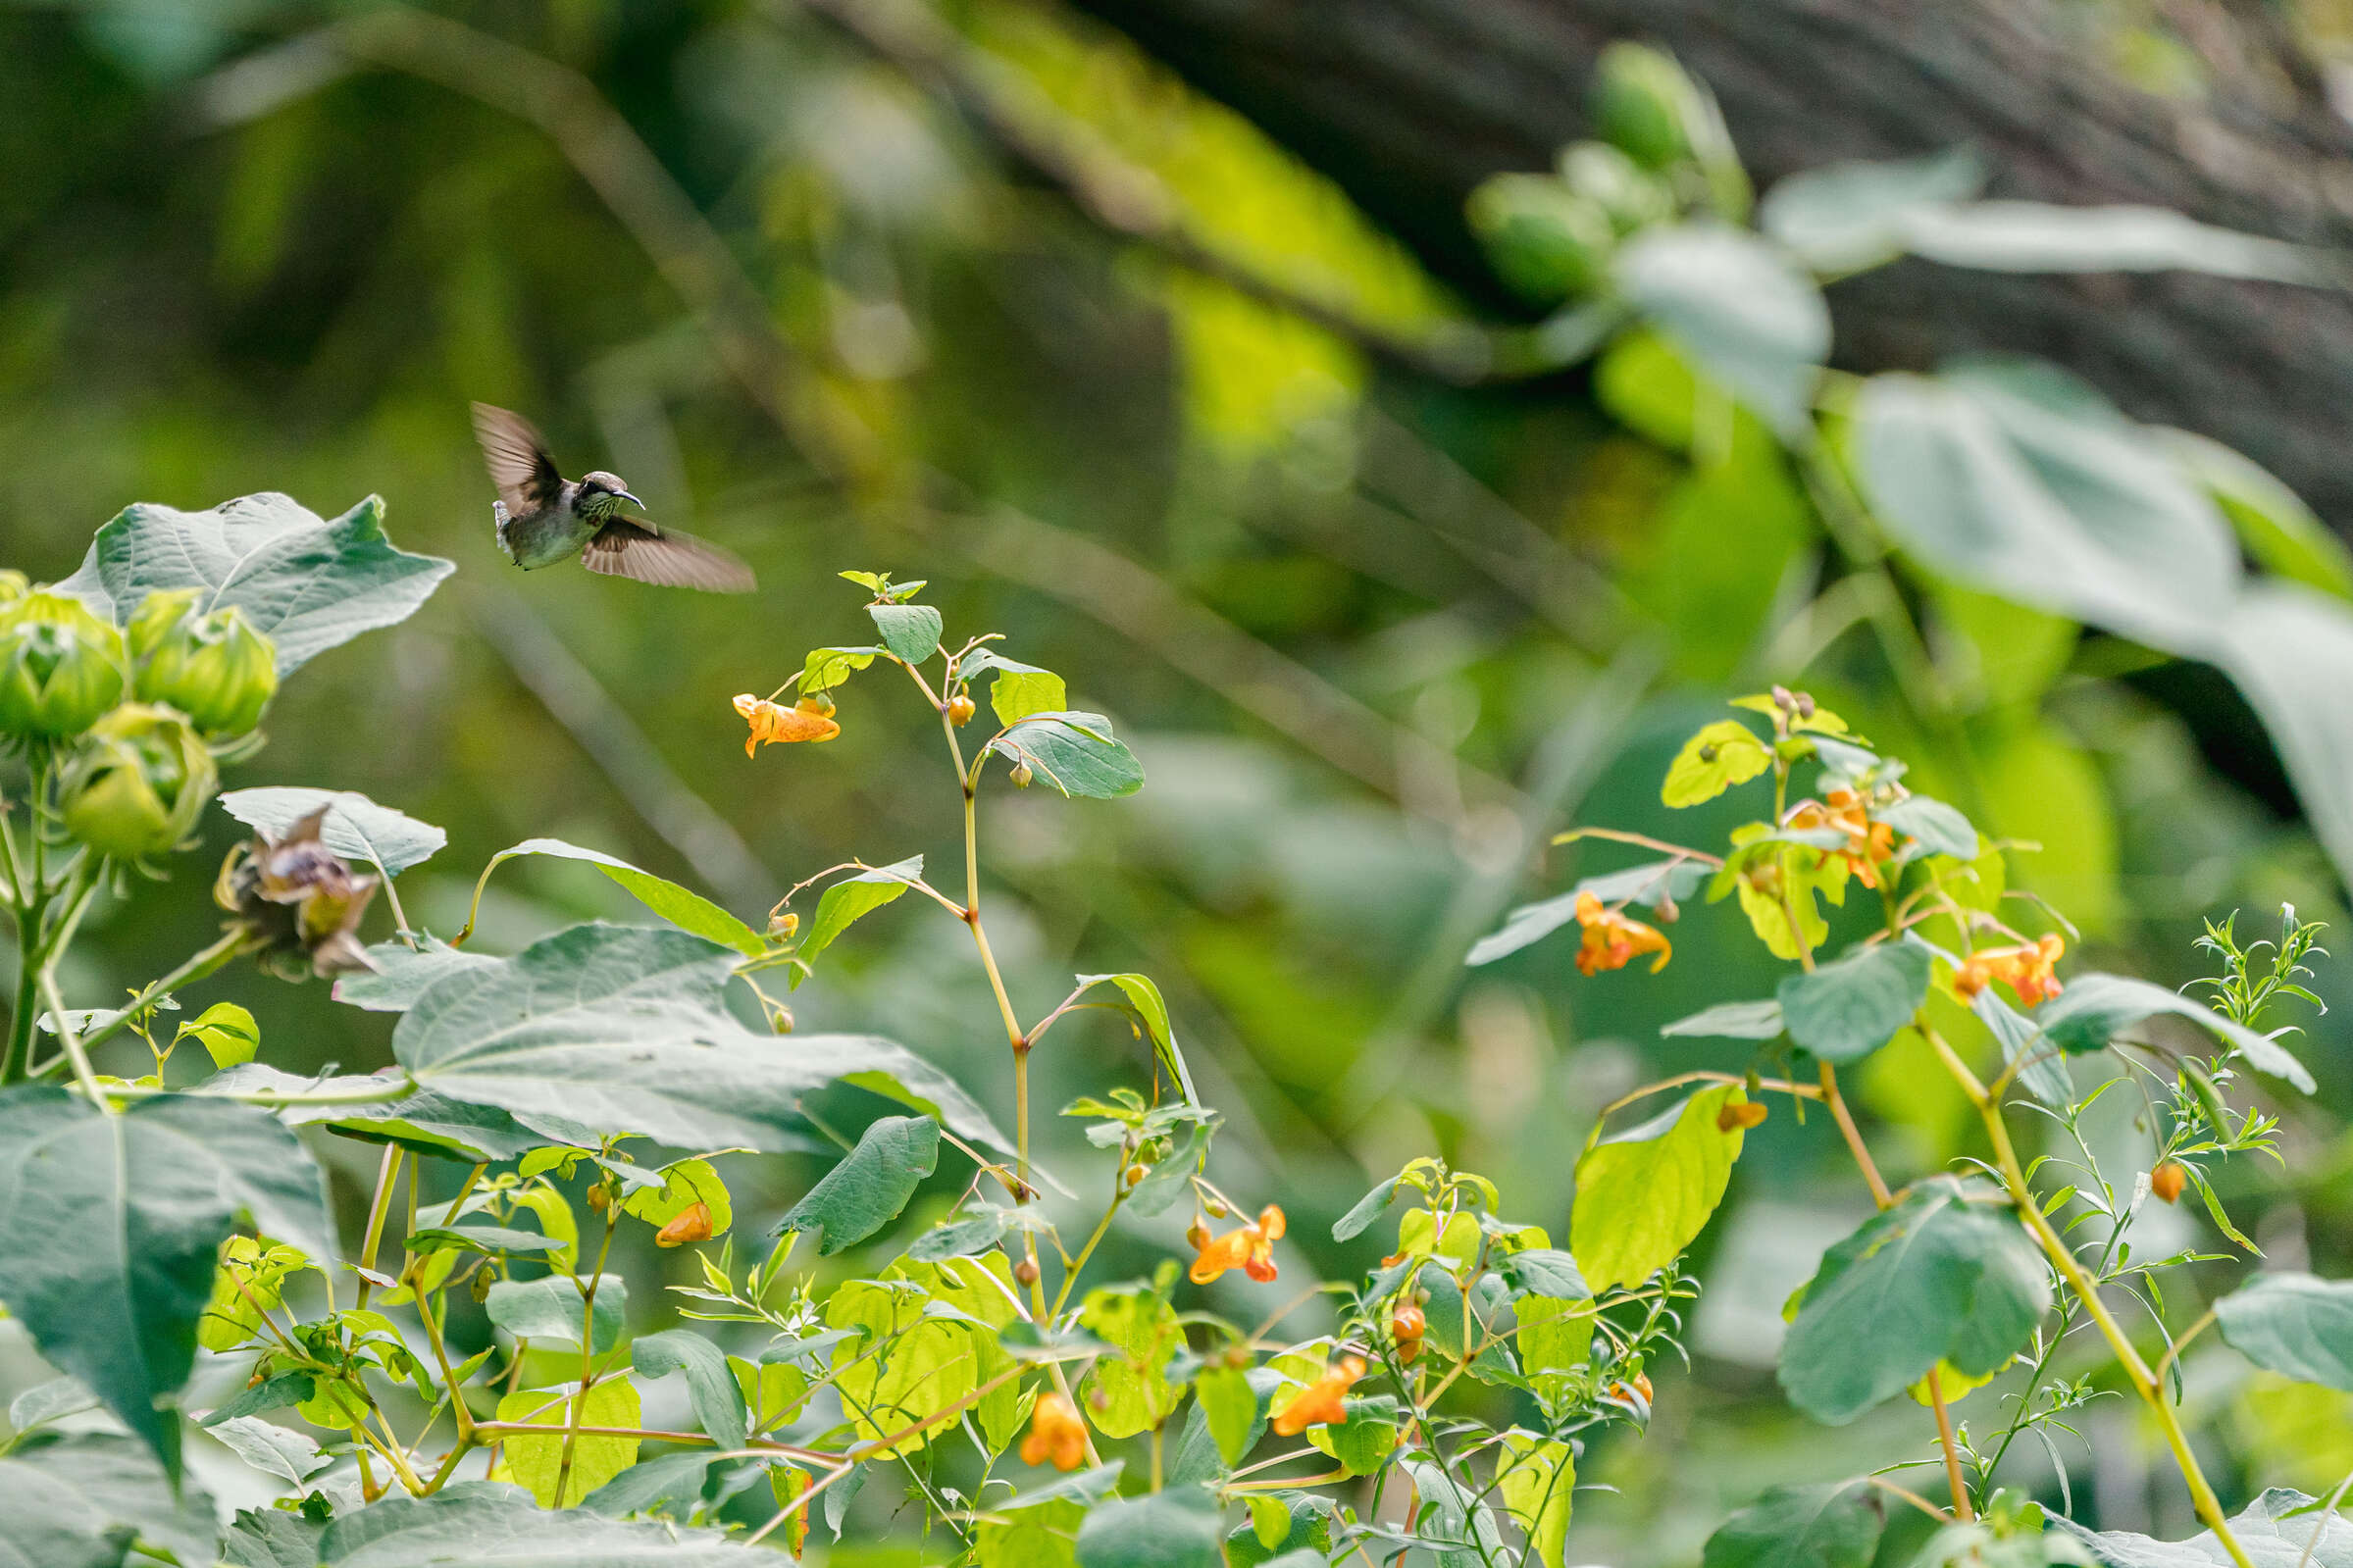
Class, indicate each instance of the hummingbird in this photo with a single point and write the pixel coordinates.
(544, 518)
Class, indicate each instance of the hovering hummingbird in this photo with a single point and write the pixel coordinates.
(544, 518)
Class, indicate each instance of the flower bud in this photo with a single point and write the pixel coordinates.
(1197, 1235)
(60, 667)
(139, 784)
(1543, 238)
(693, 1224)
(1645, 106)
(215, 667)
(2167, 1179)
(598, 1197)
(1632, 196)
(1022, 776)
(14, 585)
(1743, 1116)
(1134, 1176)
(783, 926)
(1026, 1271)
(960, 709)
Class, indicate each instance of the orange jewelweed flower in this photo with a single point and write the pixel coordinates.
(2024, 970)
(1611, 940)
(691, 1224)
(1869, 842)
(775, 724)
(1323, 1404)
(1746, 1115)
(1249, 1248)
(2167, 1180)
(1056, 1434)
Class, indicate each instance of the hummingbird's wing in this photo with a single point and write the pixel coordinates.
(667, 559)
(518, 460)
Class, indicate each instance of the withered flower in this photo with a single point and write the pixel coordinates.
(301, 898)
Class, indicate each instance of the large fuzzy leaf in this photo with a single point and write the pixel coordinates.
(2276, 1529)
(356, 828)
(483, 1525)
(79, 1501)
(2294, 1325)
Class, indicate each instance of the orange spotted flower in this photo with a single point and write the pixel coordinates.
(775, 724)
(1323, 1401)
(1611, 940)
(1249, 1248)
(1056, 1433)
(1869, 842)
(691, 1224)
(2024, 970)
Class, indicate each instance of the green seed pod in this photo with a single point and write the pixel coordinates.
(1547, 241)
(60, 667)
(215, 668)
(1021, 776)
(1605, 177)
(139, 784)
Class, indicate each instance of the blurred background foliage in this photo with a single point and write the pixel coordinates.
(982, 293)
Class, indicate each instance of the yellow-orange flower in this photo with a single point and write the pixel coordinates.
(1869, 842)
(1056, 1434)
(691, 1224)
(2024, 970)
(1324, 1402)
(1249, 1248)
(774, 723)
(1611, 940)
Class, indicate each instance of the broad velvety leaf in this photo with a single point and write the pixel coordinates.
(1073, 753)
(356, 828)
(622, 1029)
(2290, 650)
(552, 1308)
(1940, 829)
(306, 584)
(1669, 880)
(2096, 1008)
(273, 1449)
(1758, 1020)
(402, 973)
(1937, 1277)
(2292, 1323)
(867, 1190)
(1835, 1525)
(109, 1227)
(479, 1524)
(1845, 1010)
(1738, 309)
(682, 907)
(2278, 529)
(853, 897)
(718, 1403)
(1179, 1528)
(910, 631)
(2277, 1530)
(79, 1501)
(1152, 1010)
(1643, 1196)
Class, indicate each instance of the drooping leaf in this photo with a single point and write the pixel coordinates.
(428, 1124)
(2096, 1008)
(1943, 1275)
(867, 1189)
(552, 1309)
(1665, 880)
(1229, 1406)
(676, 1484)
(682, 907)
(2292, 1323)
(1178, 1528)
(2275, 1530)
(305, 583)
(1073, 753)
(475, 1522)
(109, 1226)
(537, 1463)
(79, 1501)
(1020, 690)
(2042, 1071)
(710, 1384)
(356, 828)
(1758, 1020)
(853, 897)
(1536, 1478)
(1847, 1009)
(2032, 237)
(1368, 1208)
(910, 631)
(1644, 1195)
(1145, 997)
(2290, 650)
(1832, 1524)
(1745, 317)
(620, 1029)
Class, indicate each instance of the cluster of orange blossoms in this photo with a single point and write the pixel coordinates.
(774, 723)
(1056, 1434)
(1869, 842)
(1611, 940)
(1249, 1248)
(2024, 970)
(1323, 1402)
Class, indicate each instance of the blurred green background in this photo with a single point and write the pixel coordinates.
(1374, 635)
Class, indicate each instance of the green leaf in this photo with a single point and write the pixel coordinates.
(869, 1189)
(1648, 884)
(272, 1538)
(1152, 1011)
(1074, 753)
(1643, 1196)
(2032, 237)
(683, 1184)
(1020, 690)
(1130, 1392)
(2271, 521)
(81, 1501)
(827, 667)
(1847, 1009)
(1197, 1456)
(1943, 1275)
(536, 1462)
(273, 1449)
(1536, 1479)
(710, 1384)
(1543, 1271)
(2292, 1323)
(356, 828)
(1230, 1408)
(457, 1524)
(274, 1393)
(2275, 1530)
(428, 1123)
(904, 1365)
(1760, 1020)
(1833, 1525)
(110, 1225)
(402, 973)
(1939, 828)
(683, 908)
(1744, 316)
(305, 583)
(1370, 1207)
(2044, 1074)
(1847, 217)
(225, 1030)
(491, 1240)
(2290, 650)
(853, 897)
(49, 1401)
(620, 1029)
(551, 1310)
(2094, 1008)
(1179, 1528)
(910, 631)
(673, 1485)
(1724, 754)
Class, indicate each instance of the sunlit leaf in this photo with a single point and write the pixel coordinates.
(1073, 753)
(1722, 754)
(536, 1462)
(1644, 1195)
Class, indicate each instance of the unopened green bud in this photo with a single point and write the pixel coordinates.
(60, 667)
(1547, 241)
(14, 585)
(157, 615)
(1022, 776)
(1631, 195)
(139, 784)
(215, 668)
(1644, 105)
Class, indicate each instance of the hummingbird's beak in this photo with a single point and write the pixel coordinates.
(633, 500)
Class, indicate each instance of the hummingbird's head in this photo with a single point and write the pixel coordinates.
(600, 495)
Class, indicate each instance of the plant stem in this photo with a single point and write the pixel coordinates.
(387, 1172)
(73, 1045)
(1854, 1136)
(587, 1351)
(196, 967)
(1944, 1436)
